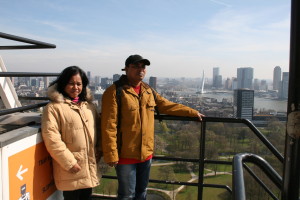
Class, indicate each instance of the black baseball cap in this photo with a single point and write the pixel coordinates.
(135, 59)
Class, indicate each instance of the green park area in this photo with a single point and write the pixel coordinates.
(222, 142)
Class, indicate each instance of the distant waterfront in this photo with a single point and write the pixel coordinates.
(259, 103)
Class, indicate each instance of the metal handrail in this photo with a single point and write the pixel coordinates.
(32, 98)
(202, 159)
(238, 175)
(202, 140)
(23, 108)
(261, 137)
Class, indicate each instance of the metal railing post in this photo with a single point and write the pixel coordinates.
(201, 160)
(291, 173)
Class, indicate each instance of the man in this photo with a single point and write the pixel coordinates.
(127, 127)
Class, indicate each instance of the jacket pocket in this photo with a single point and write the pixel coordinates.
(151, 105)
(129, 106)
(81, 161)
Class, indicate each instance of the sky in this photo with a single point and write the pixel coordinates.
(181, 38)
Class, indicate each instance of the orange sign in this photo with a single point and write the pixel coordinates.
(30, 174)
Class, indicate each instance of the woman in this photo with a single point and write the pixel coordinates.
(70, 133)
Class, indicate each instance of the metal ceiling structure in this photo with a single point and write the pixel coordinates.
(34, 44)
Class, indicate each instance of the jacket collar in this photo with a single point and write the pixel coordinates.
(57, 97)
(144, 86)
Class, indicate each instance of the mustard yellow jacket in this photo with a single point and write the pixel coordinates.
(136, 136)
(70, 135)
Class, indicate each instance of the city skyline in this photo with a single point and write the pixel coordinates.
(181, 39)
(207, 78)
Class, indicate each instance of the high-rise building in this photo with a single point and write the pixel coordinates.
(216, 71)
(153, 82)
(116, 77)
(33, 82)
(263, 85)
(256, 84)
(228, 84)
(245, 78)
(243, 103)
(284, 86)
(104, 82)
(234, 83)
(276, 78)
(219, 81)
(97, 80)
(46, 81)
(24, 81)
(41, 83)
(89, 76)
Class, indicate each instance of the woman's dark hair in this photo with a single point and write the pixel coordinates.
(64, 78)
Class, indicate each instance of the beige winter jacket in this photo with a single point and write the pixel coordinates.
(136, 136)
(70, 134)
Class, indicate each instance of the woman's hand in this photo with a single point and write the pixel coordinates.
(76, 168)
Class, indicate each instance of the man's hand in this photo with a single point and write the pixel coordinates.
(112, 164)
(200, 116)
(76, 168)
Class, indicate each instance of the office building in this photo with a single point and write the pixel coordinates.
(243, 103)
(234, 83)
(116, 77)
(219, 81)
(256, 84)
(216, 71)
(46, 82)
(34, 82)
(276, 78)
(228, 84)
(104, 83)
(41, 84)
(88, 74)
(24, 81)
(284, 86)
(263, 85)
(153, 82)
(245, 78)
(97, 80)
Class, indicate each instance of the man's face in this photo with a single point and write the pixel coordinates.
(136, 72)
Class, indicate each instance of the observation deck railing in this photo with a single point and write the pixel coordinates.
(238, 191)
(238, 175)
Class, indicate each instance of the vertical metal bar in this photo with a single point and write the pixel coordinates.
(238, 183)
(291, 171)
(201, 160)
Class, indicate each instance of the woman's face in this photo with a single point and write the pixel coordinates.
(74, 86)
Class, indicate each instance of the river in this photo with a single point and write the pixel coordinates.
(259, 103)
